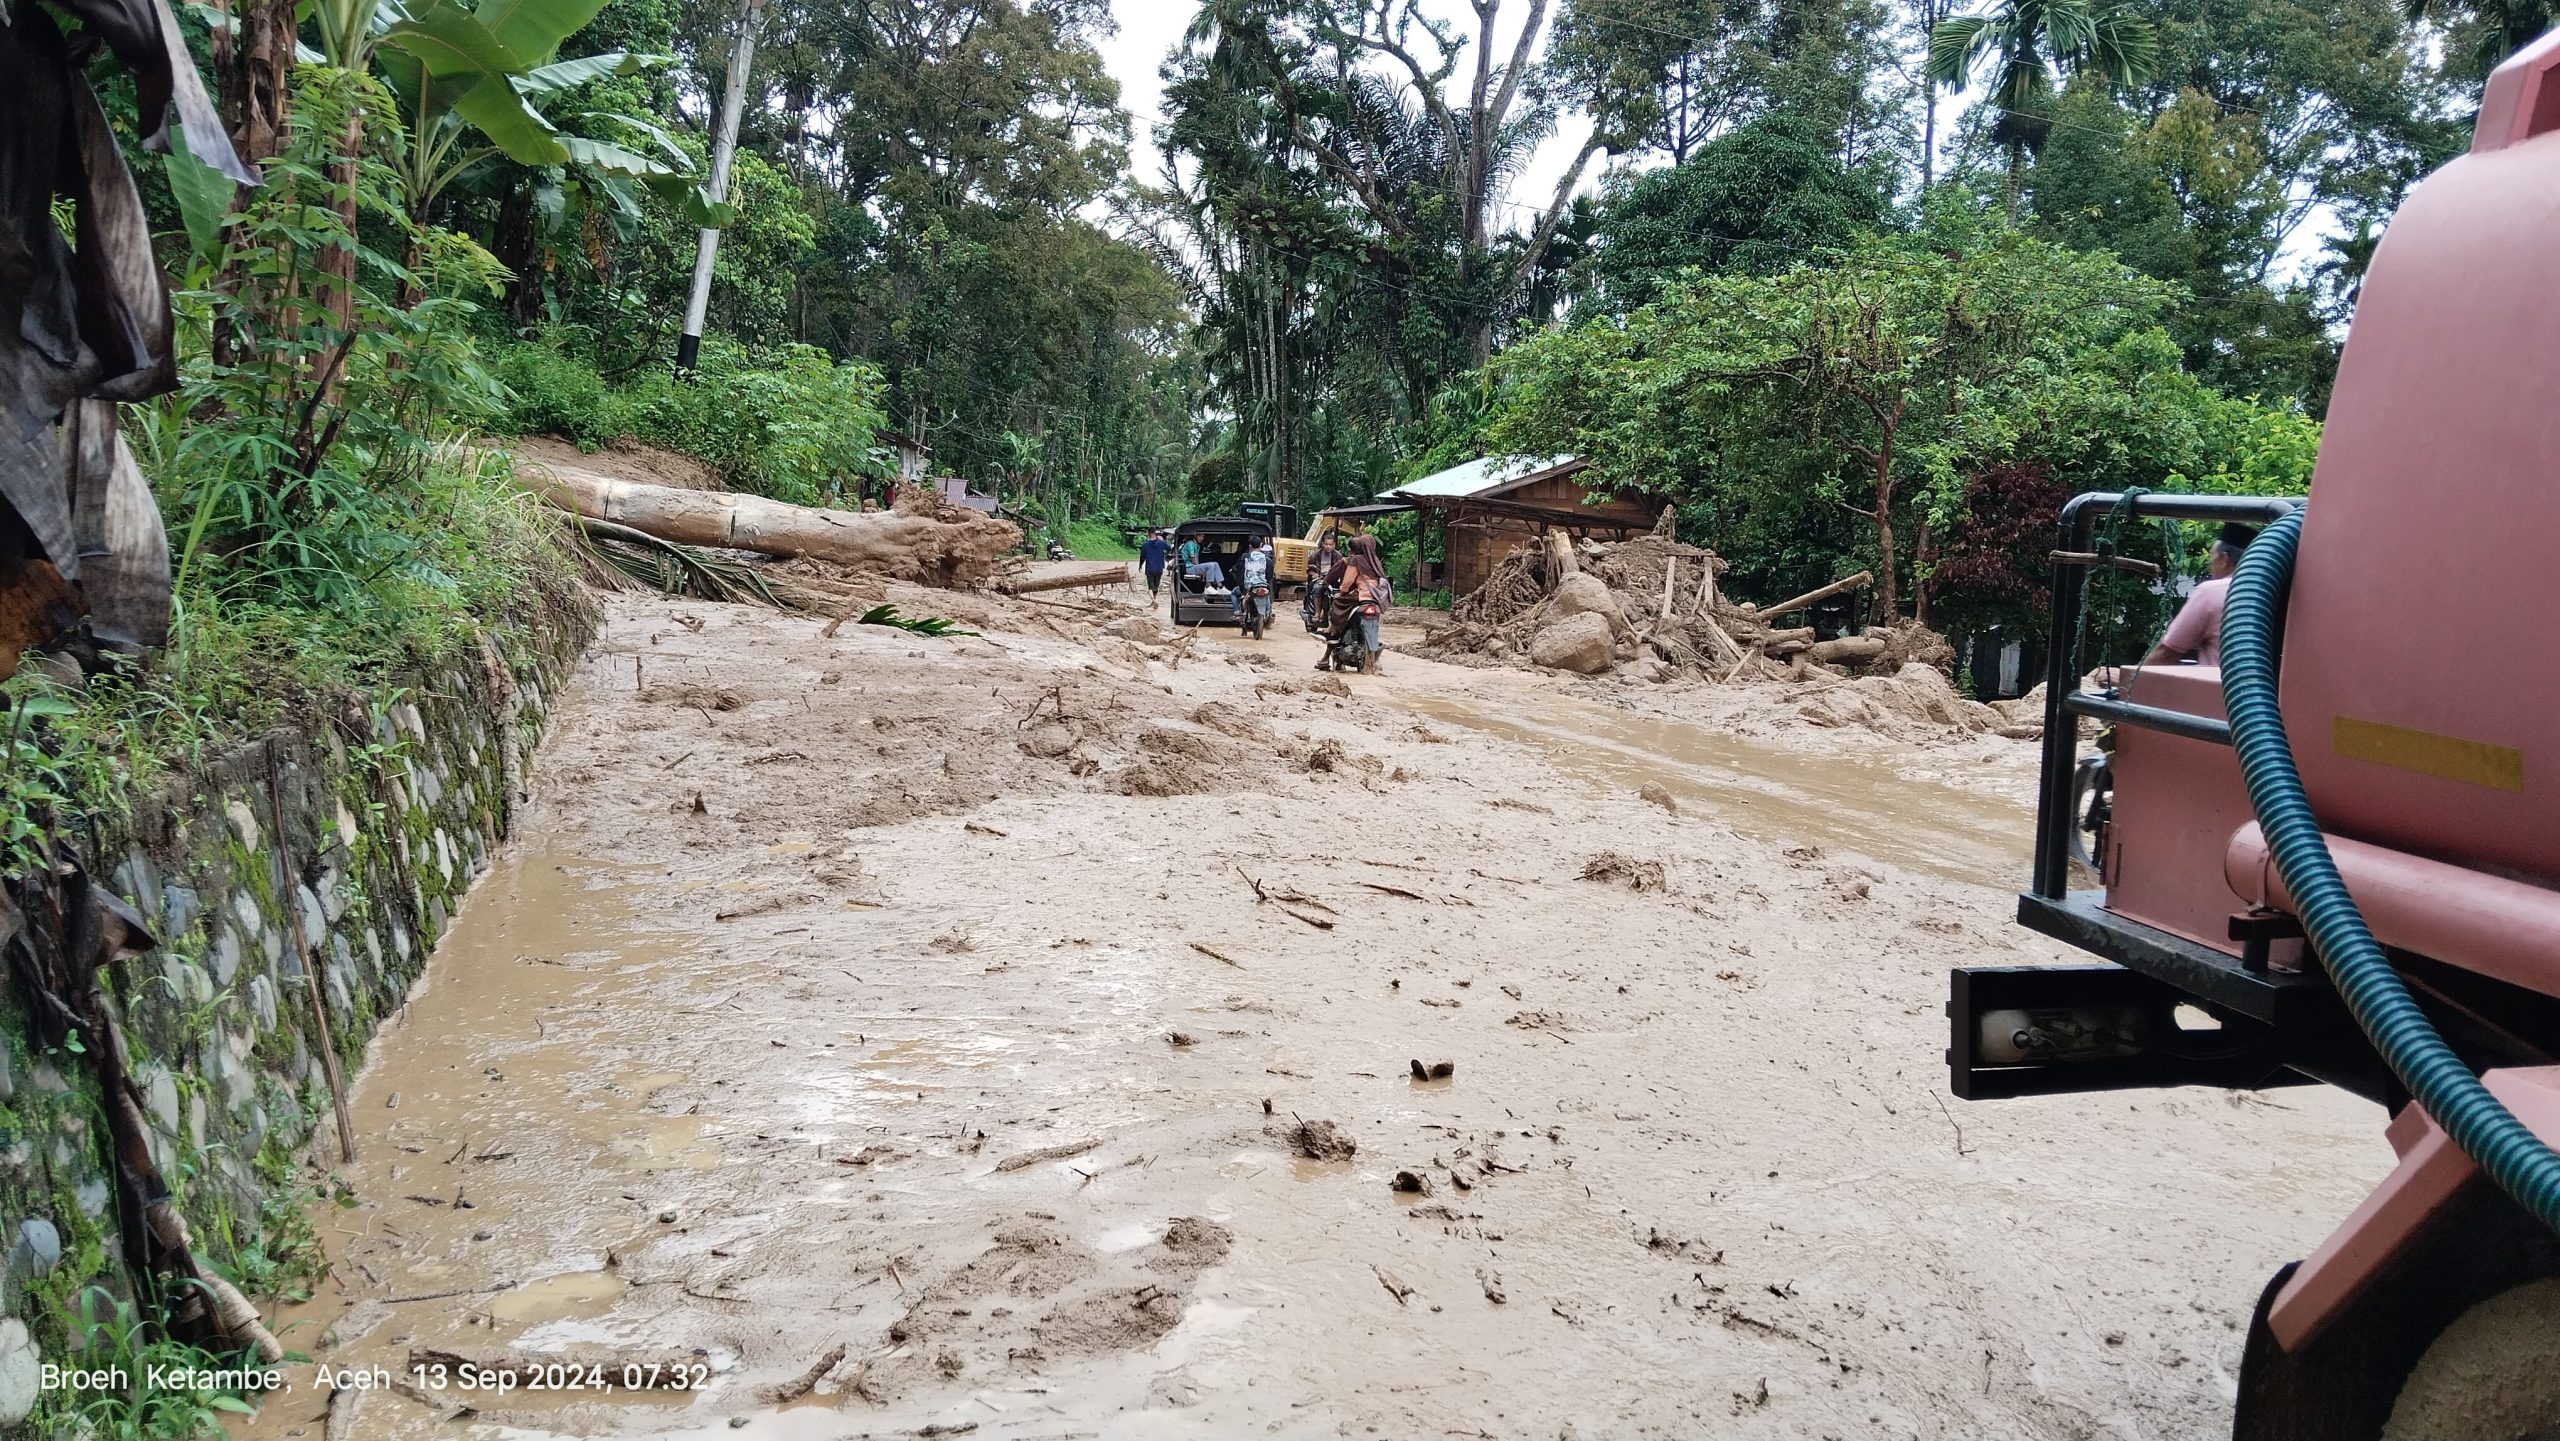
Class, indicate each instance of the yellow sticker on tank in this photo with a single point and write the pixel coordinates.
(2477, 763)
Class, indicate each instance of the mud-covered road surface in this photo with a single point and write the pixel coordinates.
(886, 1036)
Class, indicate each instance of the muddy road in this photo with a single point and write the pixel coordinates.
(906, 1037)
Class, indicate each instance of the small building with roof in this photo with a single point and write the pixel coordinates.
(1491, 507)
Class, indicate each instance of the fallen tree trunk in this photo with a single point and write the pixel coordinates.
(1800, 636)
(1845, 583)
(922, 540)
(1067, 580)
(1850, 650)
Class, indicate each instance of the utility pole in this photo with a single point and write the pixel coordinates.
(1929, 18)
(723, 146)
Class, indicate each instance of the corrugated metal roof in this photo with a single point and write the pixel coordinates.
(1478, 476)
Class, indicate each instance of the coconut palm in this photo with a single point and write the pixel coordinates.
(2480, 33)
(2025, 40)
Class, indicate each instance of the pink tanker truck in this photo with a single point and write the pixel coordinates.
(2335, 858)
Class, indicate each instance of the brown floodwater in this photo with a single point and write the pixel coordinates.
(1764, 791)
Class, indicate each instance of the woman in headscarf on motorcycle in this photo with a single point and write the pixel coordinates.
(1359, 584)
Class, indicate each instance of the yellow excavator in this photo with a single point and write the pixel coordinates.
(1290, 552)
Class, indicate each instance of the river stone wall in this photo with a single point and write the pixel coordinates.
(390, 812)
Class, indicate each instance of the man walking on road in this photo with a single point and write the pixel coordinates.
(1151, 559)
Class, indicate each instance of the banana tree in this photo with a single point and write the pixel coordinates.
(452, 66)
(444, 139)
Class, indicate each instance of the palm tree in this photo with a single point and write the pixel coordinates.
(2026, 39)
(2481, 33)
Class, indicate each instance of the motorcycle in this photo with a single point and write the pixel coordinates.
(1344, 649)
(1314, 605)
(1058, 551)
(1256, 615)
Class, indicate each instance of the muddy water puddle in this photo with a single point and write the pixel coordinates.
(518, 1118)
(1763, 791)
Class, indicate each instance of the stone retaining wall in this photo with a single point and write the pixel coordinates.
(390, 813)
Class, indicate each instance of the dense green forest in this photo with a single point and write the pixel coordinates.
(1857, 282)
(2073, 244)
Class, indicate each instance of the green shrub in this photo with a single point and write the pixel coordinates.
(787, 422)
(1098, 537)
(550, 394)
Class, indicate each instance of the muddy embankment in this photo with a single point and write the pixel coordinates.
(919, 1038)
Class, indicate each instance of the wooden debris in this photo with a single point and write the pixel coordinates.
(1091, 575)
(1048, 1153)
(1215, 955)
(807, 1381)
(945, 546)
(1820, 593)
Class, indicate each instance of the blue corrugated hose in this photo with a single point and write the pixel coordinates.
(2486, 1131)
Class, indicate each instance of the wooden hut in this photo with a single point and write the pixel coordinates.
(1488, 508)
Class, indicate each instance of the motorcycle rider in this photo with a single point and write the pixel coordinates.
(1256, 568)
(1315, 604)
(1359, 585)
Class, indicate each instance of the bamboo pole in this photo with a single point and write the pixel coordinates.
(1845, 583)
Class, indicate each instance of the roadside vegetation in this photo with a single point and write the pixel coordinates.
(1841, 320)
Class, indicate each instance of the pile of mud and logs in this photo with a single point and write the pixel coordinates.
(1652, 608)
(924, 540)
(1653, 604)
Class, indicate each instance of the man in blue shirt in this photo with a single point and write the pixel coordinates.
(1151, 559)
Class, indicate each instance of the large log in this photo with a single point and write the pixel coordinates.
(921, 541)
(1850, 650)
(1076, 579)
(1845, 583)
(1798, 635)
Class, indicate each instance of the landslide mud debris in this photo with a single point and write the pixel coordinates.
(1322, 1141)
(1647, 610)
(818, 1099)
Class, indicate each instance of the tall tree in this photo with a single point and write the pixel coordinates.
(1859, 389)
(2482, 33)
(2023, 40)
(1415, 117)
(1674, 73)
(1761, 198)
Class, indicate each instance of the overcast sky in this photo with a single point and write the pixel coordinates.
(1149, 30)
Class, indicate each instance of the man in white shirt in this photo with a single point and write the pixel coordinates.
(1256, 567)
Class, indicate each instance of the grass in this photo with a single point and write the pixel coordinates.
(113, 1336)
(790, 424)
(1097, 538)
(245, 655)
